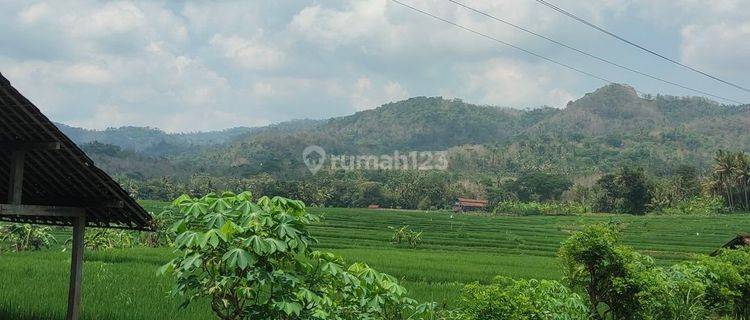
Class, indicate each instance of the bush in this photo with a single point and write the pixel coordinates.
(406, 235)
(739, 261)
(252, 260)
(622, 284)
(508, 299)
(162, 235)
(105, 239)
(694, 207)
(536, 208)
(25, 237)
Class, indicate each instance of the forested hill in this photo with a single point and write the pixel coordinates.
(151, 141)
(155, 142)
(603, 129)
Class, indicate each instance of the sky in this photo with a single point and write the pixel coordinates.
(185, 66)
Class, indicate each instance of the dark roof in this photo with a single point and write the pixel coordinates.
(64, 177)
(739, 241)
(736, 243)
(472, 202)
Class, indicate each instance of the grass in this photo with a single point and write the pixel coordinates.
(457, 249)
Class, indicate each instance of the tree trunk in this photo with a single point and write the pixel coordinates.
(744, 188)
(729, 197)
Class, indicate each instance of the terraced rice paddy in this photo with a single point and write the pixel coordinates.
(122, 284)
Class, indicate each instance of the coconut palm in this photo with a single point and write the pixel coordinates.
(722, 171)
(741, 173)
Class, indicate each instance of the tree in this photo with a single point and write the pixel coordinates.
(369, 193)
(741, 174)
(252, 260)
(612, 275)
(540, 186)
(626, 191)
(722, 171)
(730, 178)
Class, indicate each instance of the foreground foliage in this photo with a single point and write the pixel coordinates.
(622, 284)
(24, 237)
(252, 260)
(508, 299)
(33, 285)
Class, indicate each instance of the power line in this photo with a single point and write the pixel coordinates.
(589, 54)
(567, 66)
(505, 43)
(560, 10)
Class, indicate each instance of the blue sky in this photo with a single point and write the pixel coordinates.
(199, 65)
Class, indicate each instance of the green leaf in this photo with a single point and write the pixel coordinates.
(191, 261)
(211, 237)
(196, 209)
(187, 239)
(258, 245)
(166, 269)
(229, 229)
(181, 199)
(238, 257)
(276, 245)
(285, 229)
(215, 220)
(289, 307)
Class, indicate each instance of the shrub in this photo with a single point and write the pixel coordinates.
(619, 282)
(536, 208)
(509, 299)
(162, 235)
(252, 260)
(723, 281)
(406, 235)
(105, 239)
(24, 237)
(622, 284)
(695, 206)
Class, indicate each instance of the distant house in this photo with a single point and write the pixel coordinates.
(373, 206)
(466, 204)
(736, 243)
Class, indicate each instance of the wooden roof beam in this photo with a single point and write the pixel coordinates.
(29, 146)
(40, 211)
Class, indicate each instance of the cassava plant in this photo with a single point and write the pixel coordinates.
(252, 260)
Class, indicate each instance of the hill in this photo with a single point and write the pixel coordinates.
(151, 141)
(603, 129)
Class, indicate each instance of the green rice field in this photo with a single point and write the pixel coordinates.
(457, 249)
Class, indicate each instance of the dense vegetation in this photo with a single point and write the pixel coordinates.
(456, 250)
(553, 243)
(495, 153)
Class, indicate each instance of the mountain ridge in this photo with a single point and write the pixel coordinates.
(607, 127)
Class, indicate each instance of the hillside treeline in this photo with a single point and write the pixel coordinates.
(627, 189)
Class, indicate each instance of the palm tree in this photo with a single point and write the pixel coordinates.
(723, 167)
(742, 175)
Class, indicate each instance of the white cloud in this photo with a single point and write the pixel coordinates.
(111, 18)
(105, 116)
(248, 53)
(331, 26)
(721, 47)
(508, 82)
(35, 12)
(197, 65)
(364, 94)
(88, 74)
